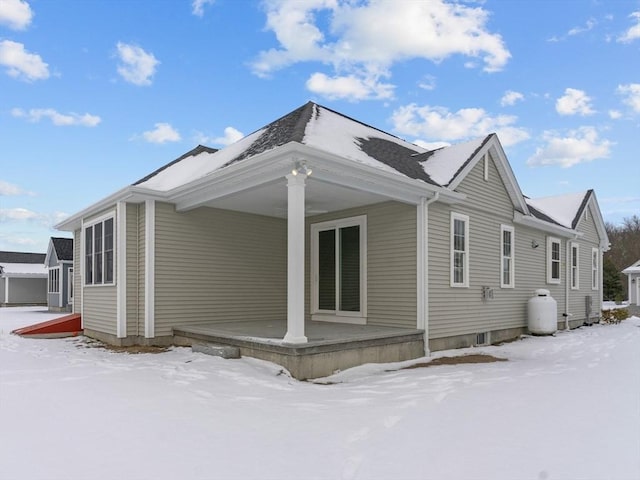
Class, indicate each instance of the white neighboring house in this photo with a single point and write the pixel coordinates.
(23, 279)
(633, 272)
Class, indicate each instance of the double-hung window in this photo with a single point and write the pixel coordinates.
(575, 266)
(98, 253)
(459, 250)
(553, 260)
(595, 274)
(339, 270)
(507, 236)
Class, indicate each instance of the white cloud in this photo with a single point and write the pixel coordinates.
(16, 14)
(197, 6)
(574, 102)
(9, 189)
(581, 29)
(58, 119)
(231, 135)
(163, 133)
(349, 87)
(510, 98)
(439, 124)
(137, 66)
(19, 214)
(428, 82)
(20, 63)
(631, 94)
(577, 146)
(363, 40)
(615, 114)
(633, 33)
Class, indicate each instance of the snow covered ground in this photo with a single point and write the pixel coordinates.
(563, 407)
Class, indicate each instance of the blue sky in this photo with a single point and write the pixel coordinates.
(96, 94)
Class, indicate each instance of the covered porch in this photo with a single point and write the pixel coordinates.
(329, 346)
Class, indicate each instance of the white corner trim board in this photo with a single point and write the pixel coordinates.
(149, 268)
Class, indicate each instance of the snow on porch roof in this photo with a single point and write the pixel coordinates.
(326, 130)
(561, 209)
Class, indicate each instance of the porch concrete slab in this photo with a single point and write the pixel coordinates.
(317, 333)
(330, 346)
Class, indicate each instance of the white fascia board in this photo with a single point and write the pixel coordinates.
(599, 221)
(129, 193)
(50, 250)
(494, 147)
(538, 224)
(277, 163)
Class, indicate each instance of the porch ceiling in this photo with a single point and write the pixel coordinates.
(270, 199)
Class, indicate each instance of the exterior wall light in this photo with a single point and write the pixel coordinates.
(302, 169)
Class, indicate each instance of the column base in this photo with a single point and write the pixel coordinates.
(288, 338)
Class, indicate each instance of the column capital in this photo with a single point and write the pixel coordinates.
(296, 180)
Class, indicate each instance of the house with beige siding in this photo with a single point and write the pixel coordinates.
(320, 243)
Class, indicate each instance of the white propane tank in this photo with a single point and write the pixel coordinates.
(542, 312)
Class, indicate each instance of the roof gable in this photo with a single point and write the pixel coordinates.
(61, 249)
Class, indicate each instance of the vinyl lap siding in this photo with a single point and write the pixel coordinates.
(77, 272)
(457, 310)
(216, 266)
(391, 262)
(135, 317)
(100, 309)
(589, 240)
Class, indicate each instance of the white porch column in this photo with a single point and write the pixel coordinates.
(295, 259)
(121, 269)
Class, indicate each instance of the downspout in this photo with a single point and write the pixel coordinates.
(423, 268)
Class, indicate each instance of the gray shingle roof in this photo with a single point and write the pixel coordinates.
(22, 257)
(63, 248)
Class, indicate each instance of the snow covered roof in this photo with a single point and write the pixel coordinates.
(635, 268)
(23, 269)
(326, 130)
(563, 210)
(443, 164)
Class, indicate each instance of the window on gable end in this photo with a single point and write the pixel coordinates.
(575, 266)
(459, 250)
(507, 245)
(553, 260)
(595, 273)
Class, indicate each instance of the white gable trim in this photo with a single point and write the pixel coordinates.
(493, 147)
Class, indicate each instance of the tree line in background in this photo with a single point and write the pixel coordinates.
(624, 251)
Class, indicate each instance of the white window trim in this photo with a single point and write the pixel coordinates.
(70, 286)
(57, 275)
(512, 283)
(465, 283)
(595, 268)
(339, 316)
(575, 286)
(83, 239)
(550, 242)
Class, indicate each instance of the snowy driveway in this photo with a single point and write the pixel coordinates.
(563, 407)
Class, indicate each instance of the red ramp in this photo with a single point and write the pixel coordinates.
(67, 326)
